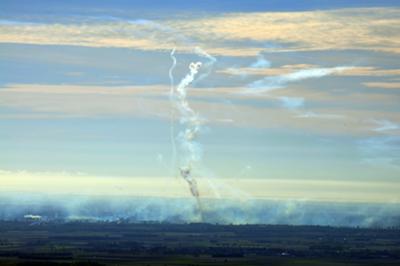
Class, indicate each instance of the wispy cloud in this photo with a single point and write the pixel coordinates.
(35, 101)
(292, 102)
(363, 29)
(383, 85)
(310, 114)
(385, 125)
(371, 71)
(268, 71)
(381, 150)
(286, 69)
(261, 63)
(277, 82)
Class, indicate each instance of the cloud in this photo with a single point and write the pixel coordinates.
(295, 103)
(261, 63)
(361, 29)
(41, 101)
(138, 34)
(311, 114)
(66, 183)
(291, 102)
(373, 29)
(385, 125)
(381, 150)
(63, 101)
(370, 72)
(286, 69)
(383, 85)
(277, 82)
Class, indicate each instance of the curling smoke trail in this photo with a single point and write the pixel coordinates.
(208, 65)
(192, 123)
(190, 119)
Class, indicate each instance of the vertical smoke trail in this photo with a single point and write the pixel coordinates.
(177, 96)
(192, 123)
(190, 119)
(172, 117)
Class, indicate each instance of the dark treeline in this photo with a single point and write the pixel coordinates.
(123, 243)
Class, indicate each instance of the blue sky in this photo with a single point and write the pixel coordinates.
(179, 5)
(303, 91)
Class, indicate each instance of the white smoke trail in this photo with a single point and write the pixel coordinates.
(178, 38)
(170, 73)
(207, 66)
(172, 117)
(192, 122)
(188, 117)
(191, 150)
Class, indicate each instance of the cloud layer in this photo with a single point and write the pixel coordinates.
(375, 29)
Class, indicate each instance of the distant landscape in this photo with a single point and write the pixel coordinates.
(102, 243)
(194, 133)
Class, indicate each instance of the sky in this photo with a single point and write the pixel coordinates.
(296, 99)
